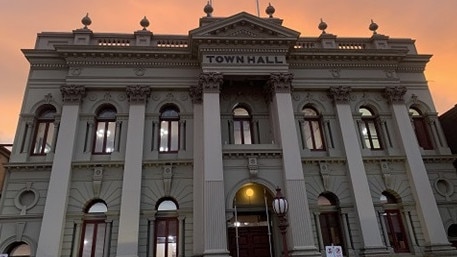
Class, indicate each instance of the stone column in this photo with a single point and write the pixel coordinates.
(369, 230)
(53, 223)
(432, 226)
(196, 94)
(129, 220)
(301, 237)
(215, 228)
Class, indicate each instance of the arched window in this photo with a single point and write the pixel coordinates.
(394, 223)
(106, 130)
(420, 128)
(312, 129)
(94, 231)
(241, 126)
(369, 129)
(166, 230)
(169, 129)
(452, 234)
(44, 131)
(330, 221)
(19, 249)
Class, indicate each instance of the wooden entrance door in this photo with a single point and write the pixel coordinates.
(252, 242)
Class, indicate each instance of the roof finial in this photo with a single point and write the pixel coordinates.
(144, 23)
(373, 27)
(208, 9)
(322, 26)
(270, 10)
(86, 21)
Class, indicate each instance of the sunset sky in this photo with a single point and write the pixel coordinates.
(432, 23)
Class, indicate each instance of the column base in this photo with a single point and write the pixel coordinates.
(216, 253)
(443, 250)
(375, 252)
(308, 251)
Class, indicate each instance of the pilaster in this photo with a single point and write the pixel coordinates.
(432, 227)
(215, 234)
(370, 233)
(301, 241)
(51, 233)
(198, 231)
(127, 242)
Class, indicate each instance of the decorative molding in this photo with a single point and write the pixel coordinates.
(325, 175)
(253, 167)
(386, 174)
(340, 94)
(167, 177)
(279, 83)
(196, 94)
(395, 94)
(138, 94)
(211, 82)
(73, 93)
(97, 180)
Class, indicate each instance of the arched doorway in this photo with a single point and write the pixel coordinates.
(249, 230)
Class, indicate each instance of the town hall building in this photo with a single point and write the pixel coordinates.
(148, 145)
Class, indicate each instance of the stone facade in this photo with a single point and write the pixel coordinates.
(176, 130)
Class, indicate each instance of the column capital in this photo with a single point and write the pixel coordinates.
(395, 94)
(196, 94)
(340, 94)
(72, 93)
(138, 94)
(280, 82)
(210, 82)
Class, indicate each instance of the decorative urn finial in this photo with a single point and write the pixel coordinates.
(208, 10)
(373, 27)
(86, 21)
(322, 26)
(270, 10)
(144, 23)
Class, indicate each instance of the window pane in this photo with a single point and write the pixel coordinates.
(164, 136)
(88, 240)
(374, 136)
(110, 133)
(100, 239)
(39, 138)
(22, 249)
(247, 132)
(308, 134)
(240, 112)
(99, 137)
(237, 132)
(48, 146)
(174, 136)
(318, 144)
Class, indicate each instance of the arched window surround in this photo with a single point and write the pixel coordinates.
(312, 129)
(330, 222)
(421, 128)
(393, 222)
(369, 128)
(105, 129)
(43, 137)
(170, 132)
(95, 232)
(242, 124)
(166, 229)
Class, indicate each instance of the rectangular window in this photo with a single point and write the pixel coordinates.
(43, 138)
(166, 237)
(93, 239)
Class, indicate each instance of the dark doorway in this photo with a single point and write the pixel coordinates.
(252, 242)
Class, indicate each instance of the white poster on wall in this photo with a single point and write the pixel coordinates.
(334, 251)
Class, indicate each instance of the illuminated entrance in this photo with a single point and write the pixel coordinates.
(249, 230)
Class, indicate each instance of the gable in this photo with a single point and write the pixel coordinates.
(244, 26)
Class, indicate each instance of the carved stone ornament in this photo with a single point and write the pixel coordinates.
(211, 82)
(196, 94)
(340, 94)
(395, 94)
(281, 82)
(138, 94)
(72, 93)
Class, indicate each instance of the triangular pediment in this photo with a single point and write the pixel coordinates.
(243, 26)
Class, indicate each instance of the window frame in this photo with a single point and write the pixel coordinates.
(316, 130)
(241, 121)
(370, 124)
(421, 129)
(47, 134)
(168, 123)
(107, 123)
(167, 212)
(394, 223)
(330, 222)
(97, 219)
(16, 245)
